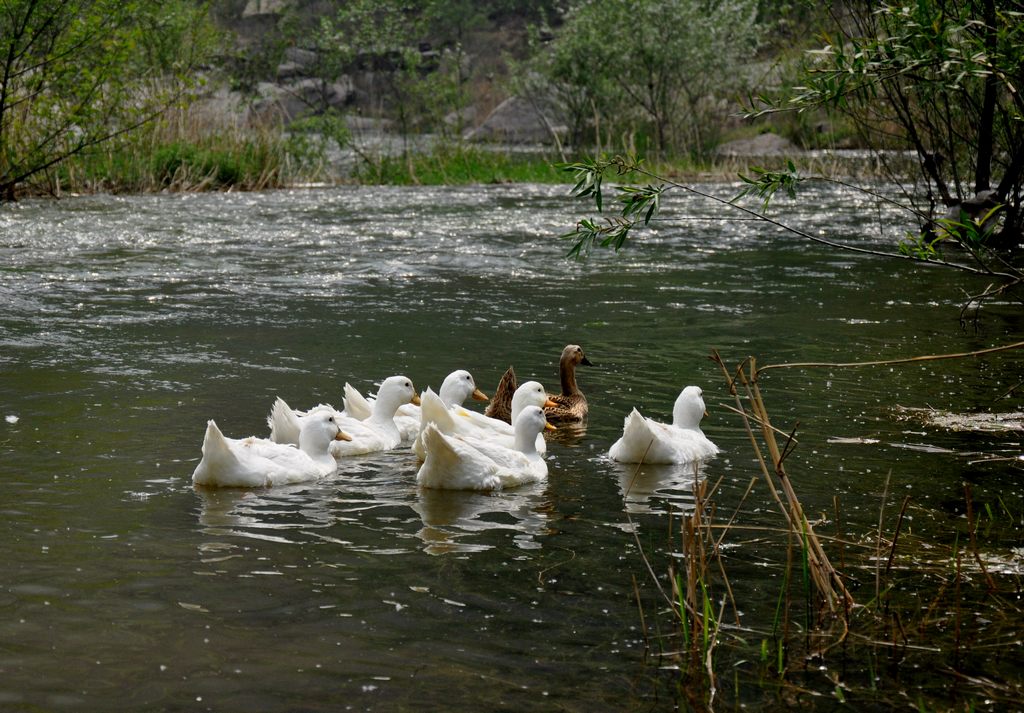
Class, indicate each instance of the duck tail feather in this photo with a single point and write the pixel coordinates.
(500, 406)
(355, 404)
(216, 451)
(284, 424)
(433, 410)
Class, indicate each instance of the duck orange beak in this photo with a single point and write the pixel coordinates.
(549, 427)
(415, 400)
(550, 404)
(479, 395)
(342, 436)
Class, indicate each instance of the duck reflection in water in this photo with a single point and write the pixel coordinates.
(257, 513)
(465, 521)
(568, 433)
(649, 489)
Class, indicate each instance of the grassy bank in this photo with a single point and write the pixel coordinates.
(232, 160)
(188, 151)
(458, 164)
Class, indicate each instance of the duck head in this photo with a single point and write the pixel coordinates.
(459, 386)
(528, 424)
(393, 392)
(318, 430)
(530, 393)
(689, 408)
(573, 355)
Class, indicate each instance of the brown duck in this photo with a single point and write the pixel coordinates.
(570, 405)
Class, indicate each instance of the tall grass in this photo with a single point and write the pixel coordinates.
(190, 150)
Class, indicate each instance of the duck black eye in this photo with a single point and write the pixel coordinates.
(331, 419)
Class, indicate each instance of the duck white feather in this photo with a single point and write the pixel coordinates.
(463, 422)
(455, 389)
(379, 432)
(648, 441)
(285, 423)
(259, 462)
(356, 405)
(467, 463)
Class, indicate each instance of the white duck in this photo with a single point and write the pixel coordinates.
(466, 463)
(456, 420)
(645, 440)
(378, 432)
(455, 389)
(258, 462)
(285, 423)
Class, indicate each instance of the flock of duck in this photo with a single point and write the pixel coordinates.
(457, 448)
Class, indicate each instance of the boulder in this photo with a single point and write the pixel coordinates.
(298, 62)
(278, 102)
(767, 144)
(264, 7)
(461, 117)
(293, 100)
(516, 120)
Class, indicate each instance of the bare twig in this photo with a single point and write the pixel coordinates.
(887, 362)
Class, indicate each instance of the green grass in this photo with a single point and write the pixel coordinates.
(186, 153)
(462, 165)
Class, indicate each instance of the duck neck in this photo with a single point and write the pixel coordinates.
(526, 442)
(567, 372)
(384, 410)
(316, 448)
(517, 408)
(686, 416)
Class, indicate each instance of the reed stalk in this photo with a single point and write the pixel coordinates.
(896, 534)
(701, 591)
(973, 538)
(826, 579)
(878, 545)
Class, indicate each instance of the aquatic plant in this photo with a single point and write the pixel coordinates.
(933, 606)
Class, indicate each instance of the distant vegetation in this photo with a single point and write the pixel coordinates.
(76, 75)
(98, 95)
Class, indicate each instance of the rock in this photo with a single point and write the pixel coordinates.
(278, 102)
(298, 63)
(264, 7)
(461, 117)
(290, 70)
(368, 125)
(761, 145)
(222, 105)
(516, 120)
(302, 57)
(304, 97)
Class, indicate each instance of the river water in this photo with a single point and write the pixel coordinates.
(130, 321)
